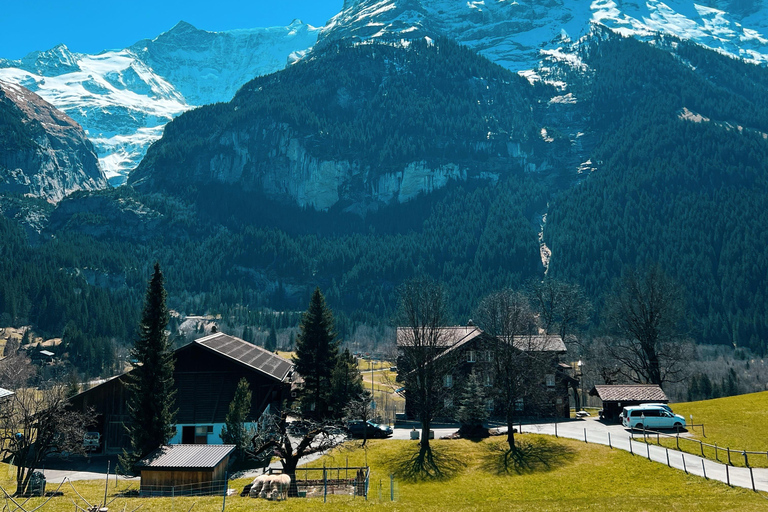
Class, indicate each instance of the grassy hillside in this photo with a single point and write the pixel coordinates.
(738, 422)
(564, 475)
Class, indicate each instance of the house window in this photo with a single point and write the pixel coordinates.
(488, 379)
(550, 380)
(448, 381)
(471, 356)
(489, 404)
(201, 433)
(519, 404)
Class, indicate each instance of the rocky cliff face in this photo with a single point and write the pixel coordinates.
(44, 152)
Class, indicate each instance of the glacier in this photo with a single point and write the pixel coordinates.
(124, 98)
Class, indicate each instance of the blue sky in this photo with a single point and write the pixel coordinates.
(89, 26)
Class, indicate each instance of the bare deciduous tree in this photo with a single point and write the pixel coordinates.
(562, 307)
(274, 439)
(422, 317)
(518, 362)
(645, 312)
(34, 423)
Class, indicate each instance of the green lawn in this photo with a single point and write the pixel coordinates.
(561, 475)
(736, 422)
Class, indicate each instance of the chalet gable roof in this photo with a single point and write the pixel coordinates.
(247, 354)
(629, 393)
(444, 337)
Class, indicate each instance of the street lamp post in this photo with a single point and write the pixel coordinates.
(583, 399)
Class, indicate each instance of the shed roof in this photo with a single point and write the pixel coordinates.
(248, 354)
(5, 393)
(186, 456)
(629, 393)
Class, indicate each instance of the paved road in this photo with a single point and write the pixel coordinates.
(618, 437)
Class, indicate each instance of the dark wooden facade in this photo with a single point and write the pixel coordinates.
(205, 382)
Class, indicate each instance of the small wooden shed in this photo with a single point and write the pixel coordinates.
(616, 397)
(185, 469)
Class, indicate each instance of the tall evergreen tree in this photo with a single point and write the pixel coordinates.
(271, 343)
(150, 385)
(346, 383)
(234, 431)
(316, 355)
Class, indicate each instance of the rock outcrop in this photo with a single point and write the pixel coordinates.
(43, 152)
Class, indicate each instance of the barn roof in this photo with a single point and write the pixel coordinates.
(186, 456)
(630, 393)
(5, 393)
(247, 354)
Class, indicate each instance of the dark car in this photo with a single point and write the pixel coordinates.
(359, 429)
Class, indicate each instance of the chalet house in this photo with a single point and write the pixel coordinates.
(469, 350)
(206, 374)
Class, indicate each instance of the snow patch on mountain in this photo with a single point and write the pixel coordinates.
(124, 98)
(517, 34)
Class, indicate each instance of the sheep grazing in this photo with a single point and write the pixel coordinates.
(280, 485)
(260, 483)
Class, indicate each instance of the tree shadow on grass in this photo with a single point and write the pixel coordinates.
(528, 456)
(433, 463)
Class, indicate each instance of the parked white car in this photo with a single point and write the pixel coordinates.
(651, 417)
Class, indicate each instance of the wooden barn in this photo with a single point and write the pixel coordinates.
(205, 375)
(185, 469)
(616, 397)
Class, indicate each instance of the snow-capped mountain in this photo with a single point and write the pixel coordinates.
(44, 152)
(124, 98)
(515, 33)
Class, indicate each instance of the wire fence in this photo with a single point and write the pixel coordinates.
(212, 487)
(755, 479)
(329, 481)
(726, 455)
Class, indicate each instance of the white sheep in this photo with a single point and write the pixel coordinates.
(280, 485)
(259, 484)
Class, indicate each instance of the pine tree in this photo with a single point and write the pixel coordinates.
(150, 385)
(316, 355)
(472, 412)
(346, 383)
(234, 431)
(271, 343)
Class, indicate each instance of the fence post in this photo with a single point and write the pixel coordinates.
(224, 498)
(325, 485)
(716, 454)
(701, 445)
(684, 468)
(704, 469)
(746, 458)
(729, 456)
(752, 477)
(727, 475)
(585, 435)
(677, 439)
(702, 430)
(667, 450)
(609, 441)
(630, 446)
(391, 487)
(648, 450)
(555, 429)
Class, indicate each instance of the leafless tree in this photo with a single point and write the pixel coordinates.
(360, 409)
(645, 313)
(34, 423)
(16, 370)
(519, 363)
(562, 307)
(305, 438)
(421, 319)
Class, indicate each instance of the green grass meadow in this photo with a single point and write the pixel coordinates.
(556, 474)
